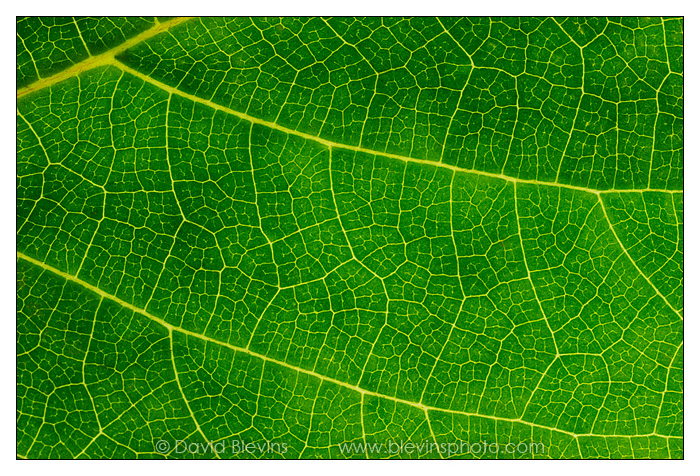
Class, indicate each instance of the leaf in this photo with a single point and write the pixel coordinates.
(321, 237)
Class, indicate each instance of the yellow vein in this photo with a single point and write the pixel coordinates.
(179, 386)
(328, 143)
(36, 70)
(527, 268)
(100, 60)
(264, 358)
(108, 58)
(362, 422)
(432, 433)
(38, 137)
(605, 213)
(87, 50)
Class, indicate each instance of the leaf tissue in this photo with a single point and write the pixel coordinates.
(349, 238)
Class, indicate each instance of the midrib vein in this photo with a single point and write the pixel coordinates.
(362, 391)
(102, 59)
(108, 59)
(328, 143)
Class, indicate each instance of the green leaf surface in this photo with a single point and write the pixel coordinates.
(350, 238)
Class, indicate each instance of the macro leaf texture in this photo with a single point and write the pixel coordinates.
(349, 238)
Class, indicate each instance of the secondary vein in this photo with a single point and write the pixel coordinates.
(328, 143)
(100, 60)
(109, 59)
(362, 391)
(634, 263)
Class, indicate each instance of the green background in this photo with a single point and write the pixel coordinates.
(350, 230)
